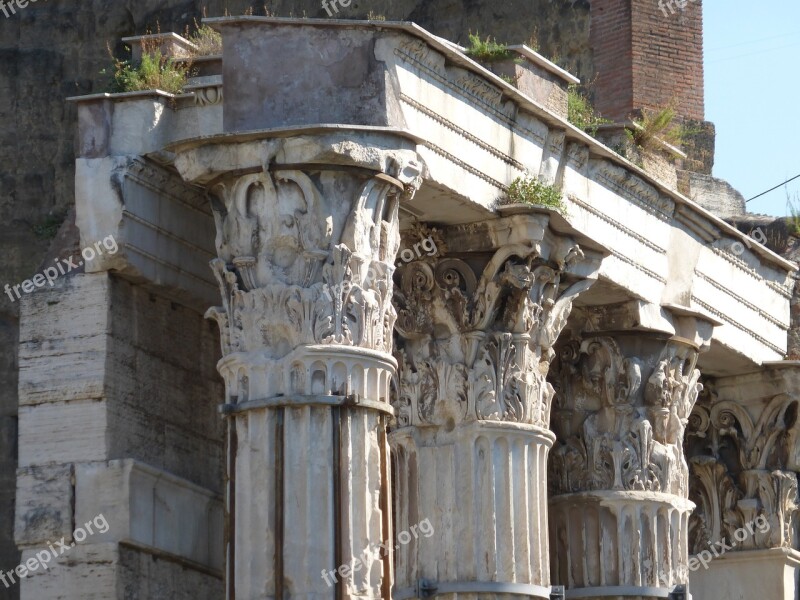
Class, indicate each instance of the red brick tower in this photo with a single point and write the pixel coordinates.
(647, 53)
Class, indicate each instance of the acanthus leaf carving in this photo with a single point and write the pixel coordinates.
(487, 330)
(293, 272)
(616, 432)
(742, 472)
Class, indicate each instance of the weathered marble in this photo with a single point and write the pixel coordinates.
(524, 387)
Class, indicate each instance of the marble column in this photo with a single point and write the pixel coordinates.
(742, 447)
(307, 235)
(475, 330)
(618, 477)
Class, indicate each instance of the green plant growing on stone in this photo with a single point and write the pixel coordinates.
(581, 113)
(529, 190)
(48, 229)
(793, 206)
(375, 17)
(487, 50)
(154, 72)
(207, 40)
(509, 79)
(533, 41)
(658, 125)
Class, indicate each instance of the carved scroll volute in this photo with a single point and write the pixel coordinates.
(475, 348)
(750, 461)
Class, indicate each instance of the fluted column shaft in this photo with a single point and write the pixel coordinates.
(470, 445)
(307, 236)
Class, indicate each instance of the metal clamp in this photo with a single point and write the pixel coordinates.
(426, 588)
(297, 400)
(679, 593)
(557, 592)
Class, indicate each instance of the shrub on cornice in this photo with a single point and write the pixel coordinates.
(581, 113)
(793, 220)
(487, 50)
(154, 72)
(529, 190)
(659, 125)
(207, 40)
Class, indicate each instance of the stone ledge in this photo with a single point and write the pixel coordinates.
(152, 509)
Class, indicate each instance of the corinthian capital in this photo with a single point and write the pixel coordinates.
(621, 418)
(742, 451)
(475, 336)
(623, 401)
(307, 236)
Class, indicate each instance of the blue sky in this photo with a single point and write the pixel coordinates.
(752, 81)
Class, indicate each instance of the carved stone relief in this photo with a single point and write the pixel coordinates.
(621, 421)
(477, 347)
(742, 472)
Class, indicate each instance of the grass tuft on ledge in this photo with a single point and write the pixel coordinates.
(487, 50)
(154, 72)
(529, 190)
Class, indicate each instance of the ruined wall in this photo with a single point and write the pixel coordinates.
(135, 374)
(57, 48)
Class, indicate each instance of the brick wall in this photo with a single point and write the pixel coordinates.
(644, 58)
(610, 37)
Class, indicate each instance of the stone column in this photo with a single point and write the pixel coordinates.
(619, 481)
(476, 325)
(307, 235)
(742, 446)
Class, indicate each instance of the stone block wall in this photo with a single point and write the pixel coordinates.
(9, 555)
(163, 380)
(134, 373)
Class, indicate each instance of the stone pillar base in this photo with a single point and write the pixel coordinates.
(746, 574)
